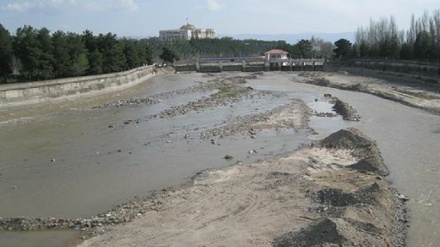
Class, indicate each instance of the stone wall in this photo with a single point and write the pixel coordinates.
(34, 92)
(425, 72)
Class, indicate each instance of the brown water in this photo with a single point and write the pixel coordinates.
(72, 164)
(409, 140)
(97, 167)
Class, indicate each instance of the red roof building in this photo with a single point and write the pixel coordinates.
(276, 54)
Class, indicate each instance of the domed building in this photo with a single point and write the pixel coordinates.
(187, 32)
(188, 26)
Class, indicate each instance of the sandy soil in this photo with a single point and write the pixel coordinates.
(312, 197)
(416, 94)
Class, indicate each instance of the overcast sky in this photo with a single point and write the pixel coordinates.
(143, 18)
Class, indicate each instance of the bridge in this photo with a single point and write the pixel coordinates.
(248, 64)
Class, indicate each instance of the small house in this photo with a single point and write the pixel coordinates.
(276, 57)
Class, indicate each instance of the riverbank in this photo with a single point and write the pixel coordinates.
(409, 92)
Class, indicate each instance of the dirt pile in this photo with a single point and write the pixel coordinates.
(347, 112)
(353, 197)
(286, 116)
(319, 232)
(311, 197)
(361, 147)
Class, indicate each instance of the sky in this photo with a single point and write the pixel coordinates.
(144, 18)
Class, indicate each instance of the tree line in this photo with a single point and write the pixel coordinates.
(228, 47)
(382, 39)
(36, 54)
(32, 54)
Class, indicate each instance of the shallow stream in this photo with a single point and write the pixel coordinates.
(72, 164)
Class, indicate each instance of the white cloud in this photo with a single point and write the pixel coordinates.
(94, 5)
(18, 7)
(24, 6)
(215, 5)
(130, 4)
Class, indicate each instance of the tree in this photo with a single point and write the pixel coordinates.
(343, 48)
(363, 49)
(422, 46)
(89, 40)
(5, 52)
(46, 59)
(406, 51)
(78, 61)
(131, 53)
(80, 65)
(27, 48)
(95, 62)
(168, 55)
(145, 53)
(303, 49)
(113, 57)
(61, 54)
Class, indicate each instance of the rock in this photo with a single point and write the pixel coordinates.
(346, 111)
(229, 157)
(111, 126)
(322, 232)
(52, 160)
(402, 197)
(253, 151)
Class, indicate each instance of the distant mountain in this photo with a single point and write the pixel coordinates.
(294, 38)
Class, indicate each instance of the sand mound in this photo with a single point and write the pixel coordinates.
(361, 146)
(323, 231)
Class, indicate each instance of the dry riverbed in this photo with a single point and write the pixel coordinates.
(330, 193)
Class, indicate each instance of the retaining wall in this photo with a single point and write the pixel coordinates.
(426, 72)
(34, 92)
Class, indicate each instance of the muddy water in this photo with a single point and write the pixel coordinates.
(72, 164)
(409, 140)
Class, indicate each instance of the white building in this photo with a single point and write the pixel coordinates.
(186, 32)
(276, 54)
(276, 57)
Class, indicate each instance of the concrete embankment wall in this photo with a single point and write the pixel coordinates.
(34, 92)
(429, 73)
